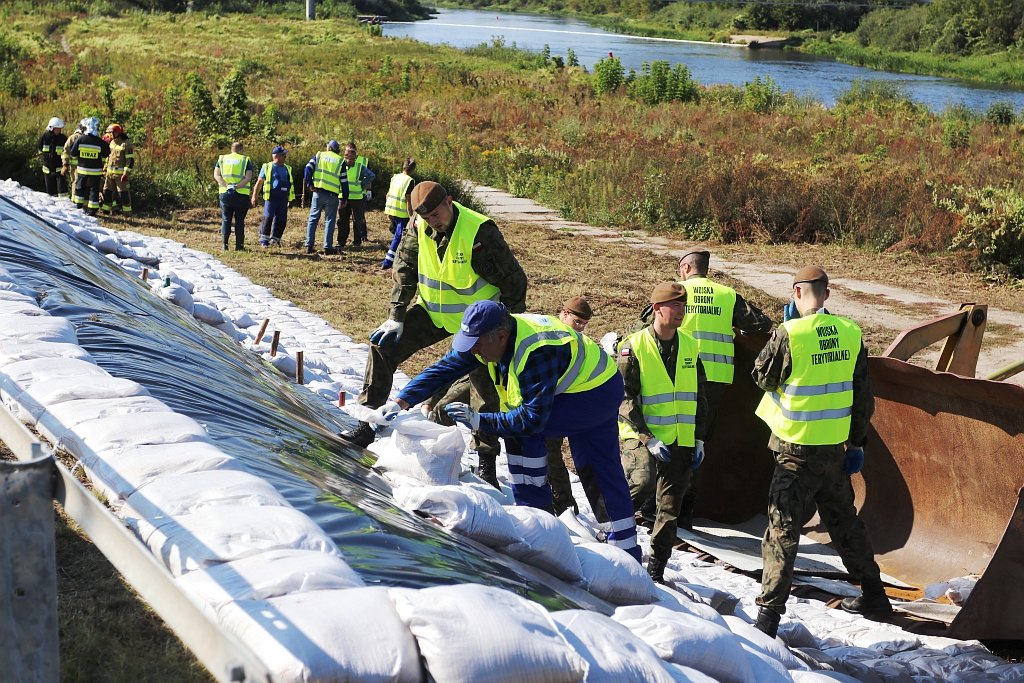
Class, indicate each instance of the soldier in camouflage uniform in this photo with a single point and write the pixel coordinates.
(818, 403)
(662, 418)
(449, 241)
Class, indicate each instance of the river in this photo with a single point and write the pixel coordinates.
(821, 78)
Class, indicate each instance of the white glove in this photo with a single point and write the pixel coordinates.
(387, 412)
(659, 450)
(608, 342)
(460, 412)
(389, 330)
(698, 455)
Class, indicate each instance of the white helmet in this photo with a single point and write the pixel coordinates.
(55, 122)
(91, 125)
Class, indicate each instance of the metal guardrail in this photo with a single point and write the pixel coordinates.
(28, 566)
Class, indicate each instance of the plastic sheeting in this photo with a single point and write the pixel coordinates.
(279, 431)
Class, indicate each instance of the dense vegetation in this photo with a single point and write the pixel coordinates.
(652, 150)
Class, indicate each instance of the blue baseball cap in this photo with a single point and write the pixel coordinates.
(480, 318)
(279, 150)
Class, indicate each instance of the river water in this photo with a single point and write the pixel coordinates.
(821, 78)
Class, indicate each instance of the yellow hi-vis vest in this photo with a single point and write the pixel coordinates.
(268, 179)
(232, 171)
(327, 175)
(708, 319)
(670, 409)
(447, 287)
(589, 367)
(814, 407)
(397, 203)
(355, 182)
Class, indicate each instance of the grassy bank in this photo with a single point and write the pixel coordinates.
(728, 164)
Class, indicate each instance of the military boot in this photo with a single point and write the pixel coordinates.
(656, 568)
(871, 603)
(363, 435)
(487, 469)
(768, 621)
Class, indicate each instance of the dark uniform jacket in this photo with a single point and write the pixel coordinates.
(51, 146)
(629, 367)
(492, 260)
(775, 364)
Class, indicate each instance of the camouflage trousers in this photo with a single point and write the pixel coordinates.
(801, 482)
(419, 333)
(669, 481)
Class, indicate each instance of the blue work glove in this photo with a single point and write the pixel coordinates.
(388, 412)
(698, 455)
(789, 311)
(389, 330)
(460, 412)
(854, 460)
(659, 450)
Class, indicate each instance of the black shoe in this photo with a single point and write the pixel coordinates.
(487, 470)
(768, 621)
(649, 510)
(310, 249)
(656, 569)
(685, 523)
(363, 435)
(330, 251)
(874, 604)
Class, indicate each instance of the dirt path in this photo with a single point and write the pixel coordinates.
(869, 303)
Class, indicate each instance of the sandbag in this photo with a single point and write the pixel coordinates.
(481, 634)
(35, 328)
(688, 640)
(14, 351)
(269, 575)
(331, 636)
(771, 647)
(612, 574)
(228, 532)
(428, 452)
(470, 513)
(676, 601)
(117, 472)
(546, 543)
(122, 431)
(207, 313)
(612, 652)
(60, 418)
(184, 494)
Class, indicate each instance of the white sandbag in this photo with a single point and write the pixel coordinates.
(37, 328)
(207, 313)
(19, 376)
(86, 236)
(43, 395)
(546, 543)
(284, 363)
(672, 599)
(15, 351)
(885, 641)
(335, 636)
(269, 575)
(8, 307)
(428, 452)
(613, 653)
(183, 494)
(765, 669)
(480, 634)
(821, 677)
(59, 418)
(688, 640)
(685, 674)
(228, 328)
(612, 574)
(771, 647)
(468, 512)
(117, 472)
(122, 431)
(178, 296)
(106, 245)
(228, 532)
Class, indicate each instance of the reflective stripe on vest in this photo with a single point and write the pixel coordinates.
(669, 408)
(708, 319)
(89, 159)
(268, 180)
(355, 173)
(397, 203)
(447, 287)
(589, 366)
(232, 171)
(327, 175)
(815, 406)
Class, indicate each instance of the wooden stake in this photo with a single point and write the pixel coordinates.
(341, 398)
(263, 330)
(275, 342)
(145, 274)
(299, 373)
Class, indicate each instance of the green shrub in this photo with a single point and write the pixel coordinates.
(992, 227)
(657, 83)
(880, 97)
(1001, 114)
(12, 80)
(608, 75)
(762, 96)
(956, 132)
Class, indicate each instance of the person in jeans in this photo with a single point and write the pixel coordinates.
(325, 179)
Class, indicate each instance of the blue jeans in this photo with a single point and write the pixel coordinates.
(275, 214)
(233, 207)
(327, 203)
(590, 420)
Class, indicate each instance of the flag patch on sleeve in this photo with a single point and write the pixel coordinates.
(478, 246)
(624, 352)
